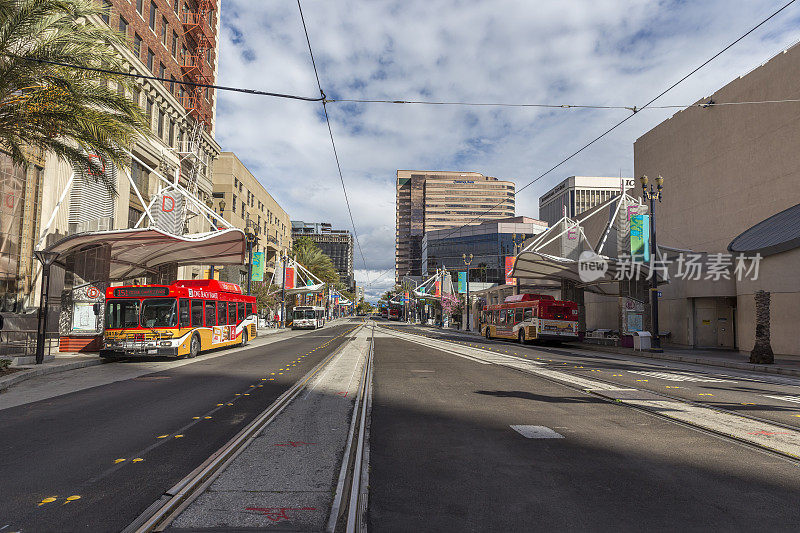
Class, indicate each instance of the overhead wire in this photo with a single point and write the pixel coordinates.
(621, 122)
(330, 133)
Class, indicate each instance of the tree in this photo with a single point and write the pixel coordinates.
(762, 350)
(307, 253)
(78, 115)
(266, 295)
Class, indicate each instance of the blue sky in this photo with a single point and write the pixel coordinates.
(603, 52)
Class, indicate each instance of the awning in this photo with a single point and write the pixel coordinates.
(137, 252)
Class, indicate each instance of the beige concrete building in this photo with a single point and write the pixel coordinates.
(577, 194)
(239, 197)
(726, 169)
(432, 200)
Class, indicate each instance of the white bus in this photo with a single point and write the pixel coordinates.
(308, 317)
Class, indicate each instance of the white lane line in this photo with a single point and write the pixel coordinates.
(537, 432)
(793, 399)
(674, 376)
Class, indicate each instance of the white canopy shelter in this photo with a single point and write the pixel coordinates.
(137, 252)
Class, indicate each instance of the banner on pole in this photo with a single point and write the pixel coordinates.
(258, 267)
(510, 259)
(462, 282)
(640, 238)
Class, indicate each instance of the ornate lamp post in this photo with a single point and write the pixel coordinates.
(222, 213)
(467, 263)
(652, 195)
(47, 259)
(251, 235)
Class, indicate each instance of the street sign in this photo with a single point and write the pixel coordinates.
(659, 294)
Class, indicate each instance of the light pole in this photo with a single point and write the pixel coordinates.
(251, 235)
(651, 195)
(222, 214)
(467, 263)
(47, 259)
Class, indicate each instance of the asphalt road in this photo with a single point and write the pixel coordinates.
(443, 457)
(768, 397)
(117, 447)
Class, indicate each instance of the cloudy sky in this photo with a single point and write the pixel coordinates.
(599, 52)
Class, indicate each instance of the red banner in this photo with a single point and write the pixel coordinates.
(289, 277)
(510, 259)
(437, 288)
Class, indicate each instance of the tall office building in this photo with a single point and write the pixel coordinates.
(432, 200)
(578, 194)
(336, 244)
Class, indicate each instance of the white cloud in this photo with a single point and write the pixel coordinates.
(608, 52)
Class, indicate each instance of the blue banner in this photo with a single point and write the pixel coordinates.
(257, 272)
(640, 238)
(462, 282)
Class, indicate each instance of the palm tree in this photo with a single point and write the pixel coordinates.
(79, 115)
(308, 254)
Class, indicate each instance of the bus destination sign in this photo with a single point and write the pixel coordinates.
(140, 292)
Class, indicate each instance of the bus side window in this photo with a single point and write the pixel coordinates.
(211, 313)
(240, 307)
(501, 318)
(254, 311)
(197, 313)
(222, 314)
(231, 312)
(518, 316)
(184, 313)
(528, 313)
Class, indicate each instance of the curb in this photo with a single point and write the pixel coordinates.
(778, 370)
(29, 373)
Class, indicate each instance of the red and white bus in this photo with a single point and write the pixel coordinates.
(395, 311)
(182, 319)
(528, 317)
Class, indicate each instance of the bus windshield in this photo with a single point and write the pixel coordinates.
(122, 314)
(160, 313)
(304, 313)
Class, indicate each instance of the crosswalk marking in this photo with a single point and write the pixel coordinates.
(674, 376)
(536, 432)
(793, 399)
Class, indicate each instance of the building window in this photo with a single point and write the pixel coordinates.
(174, 44)
(150, 58)
(150, 110)
(233, 206)
(137, 45)
(235, 183)
(106, 13)
(164, 29)
(172, 84)
(161, 70)
(153, 9)
(177, 6)
(123, 26)
(161, 124)
(243, 208)
(171, 133)
(136, 95)
(140, 7)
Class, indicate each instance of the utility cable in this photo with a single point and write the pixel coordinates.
(330, 133)
(624, 120)
(167, 80)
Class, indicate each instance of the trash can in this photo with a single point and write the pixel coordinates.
(641, 340)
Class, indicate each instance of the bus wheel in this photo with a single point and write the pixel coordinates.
(194, 347)
(244, 337)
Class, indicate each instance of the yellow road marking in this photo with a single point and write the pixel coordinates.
(119, 461)
(178, 436)
(641, 380)
(195, 418)
(705, 394)
(162, 436)
(230, 403)
(207, 417)
(71, 499)
(48, 500)
(138, 460)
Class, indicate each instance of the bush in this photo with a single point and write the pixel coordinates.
(4, 364)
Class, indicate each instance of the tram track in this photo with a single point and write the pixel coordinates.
(604, 396)
(159, 515)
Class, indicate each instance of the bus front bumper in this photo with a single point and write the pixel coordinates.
(120, 353)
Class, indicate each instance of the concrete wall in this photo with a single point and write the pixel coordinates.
(725, 169)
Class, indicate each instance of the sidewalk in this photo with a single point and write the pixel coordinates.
(285, 479)
(786, 365)
(74, 360)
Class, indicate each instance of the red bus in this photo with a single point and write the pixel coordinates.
(182, 319)
(528, 317)
(395, 311)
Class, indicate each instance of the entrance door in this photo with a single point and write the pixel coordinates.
(705, 325)
(725, 330)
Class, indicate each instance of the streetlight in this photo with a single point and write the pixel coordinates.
(47, 259)
(468, 263)
(651, 195)
(222, 214)
(251, 235)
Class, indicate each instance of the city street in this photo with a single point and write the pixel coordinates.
(118, 446)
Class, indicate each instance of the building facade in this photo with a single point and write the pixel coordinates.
(336, 244)
(51, 200)
(489, 243)
(241, 199)
(433, 200)
(726, 170)
(578, 194)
